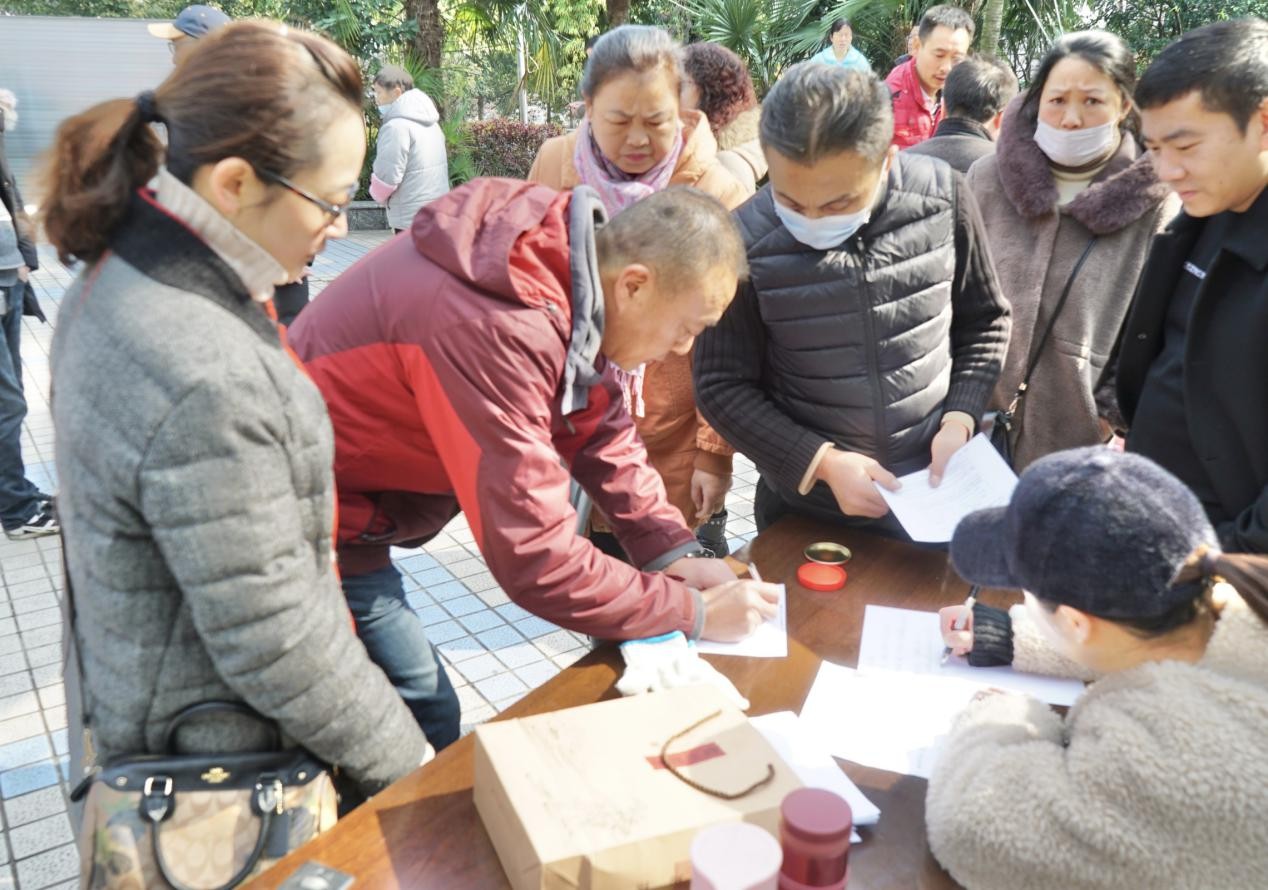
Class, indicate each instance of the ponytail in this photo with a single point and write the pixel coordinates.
(1248, 574)
(99, 158)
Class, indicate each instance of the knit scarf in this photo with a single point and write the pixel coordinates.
(618, 190)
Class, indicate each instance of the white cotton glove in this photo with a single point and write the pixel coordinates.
(667, 662)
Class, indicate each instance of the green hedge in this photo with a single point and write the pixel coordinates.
(506, 147)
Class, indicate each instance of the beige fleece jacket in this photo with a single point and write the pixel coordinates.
(1157, 778)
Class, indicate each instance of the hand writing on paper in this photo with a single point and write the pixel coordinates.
(957, 629)
(701, 573)
(950, 439)
(732, 611)
(708, 493)
(853, 479)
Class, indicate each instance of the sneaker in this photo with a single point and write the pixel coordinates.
(42, 524)
(712, 535)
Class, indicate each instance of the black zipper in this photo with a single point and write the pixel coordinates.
(873, 362)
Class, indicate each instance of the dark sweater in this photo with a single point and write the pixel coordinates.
(866, 345)
(958, 141)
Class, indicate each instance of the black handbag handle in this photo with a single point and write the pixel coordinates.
(268, 800)
(203, 709)
(1011, 411)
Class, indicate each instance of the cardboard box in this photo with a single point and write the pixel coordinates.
(580, 798)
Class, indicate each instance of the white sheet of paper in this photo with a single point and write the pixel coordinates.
(911, 642)
(892, 721)
(805, 752)
(768, 641)
(976, 478)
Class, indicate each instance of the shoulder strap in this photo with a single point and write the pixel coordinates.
(1037, 352)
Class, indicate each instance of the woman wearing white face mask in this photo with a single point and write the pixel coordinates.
(1070, 204)
(871, 330)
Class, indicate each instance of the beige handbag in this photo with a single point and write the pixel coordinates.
(195, 821)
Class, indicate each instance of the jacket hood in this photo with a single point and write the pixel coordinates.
(1123, 192)
(743, 129)
(472, 231)
(414, 105)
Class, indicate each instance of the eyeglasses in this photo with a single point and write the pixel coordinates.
(332, 211)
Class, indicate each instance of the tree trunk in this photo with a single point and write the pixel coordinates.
(992, 21)
(429, 43)
(618, 12)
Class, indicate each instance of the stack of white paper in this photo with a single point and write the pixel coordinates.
(895, 711)
(805, 752)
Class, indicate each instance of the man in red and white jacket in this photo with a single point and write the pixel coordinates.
(942, 42)
(468, 365)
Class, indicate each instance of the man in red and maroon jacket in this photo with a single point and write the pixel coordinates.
(467, 364)
(942, 42)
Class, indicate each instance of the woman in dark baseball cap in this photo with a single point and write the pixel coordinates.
(1158, 776)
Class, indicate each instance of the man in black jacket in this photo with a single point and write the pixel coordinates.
(973, 102)
(1193, 361)
(872, 329)
(25, 512)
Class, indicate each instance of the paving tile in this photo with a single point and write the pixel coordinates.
(21, 728)
(48, 868)
(30, 588)
(481, 621)
(481, 582)
(498, 637)
(55, 717)
(538, 673)
(442, 593)
(24, 779)
(8, 626)
(15, 683)
(444, 632)
(451, 554)
(461, 649)
(473, 718)
(480, 668)
(511, 612)
(18, 575)
(45, 655)
(10, 644)
(12, 663)
(27, 840)
(535, 627)
(556, 643)
(464, 605)
(34, 603)
(22, 561)
(494, 597)
(467, 568)
(469, 699)
(429, 577)
(568, 659)
(60, 742)
(501, 687)
(432, 614)
(23, 752)
(52, 696)
(17, 705)
(46, 675)
(418, 563)
(519, 656)
(41, 636)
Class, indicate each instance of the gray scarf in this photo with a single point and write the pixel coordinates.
(585, 216)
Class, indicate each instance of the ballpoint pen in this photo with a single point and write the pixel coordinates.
(969, 603)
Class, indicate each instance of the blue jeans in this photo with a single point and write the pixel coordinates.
(397, 643)
(19, 499)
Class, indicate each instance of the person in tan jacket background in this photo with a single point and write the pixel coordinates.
(716, 81)
(635, 140)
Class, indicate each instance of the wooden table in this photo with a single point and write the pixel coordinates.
(424, 832)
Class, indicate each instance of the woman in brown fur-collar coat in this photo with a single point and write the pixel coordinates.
(1068, 171)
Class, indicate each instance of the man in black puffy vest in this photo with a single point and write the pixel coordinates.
(872, 329)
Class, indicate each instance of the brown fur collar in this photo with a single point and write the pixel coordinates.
(1123, 192)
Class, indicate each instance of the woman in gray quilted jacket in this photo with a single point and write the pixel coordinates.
(194, 454)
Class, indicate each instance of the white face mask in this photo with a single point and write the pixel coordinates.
(1076, 148)
(383, 108)
(828, 231)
